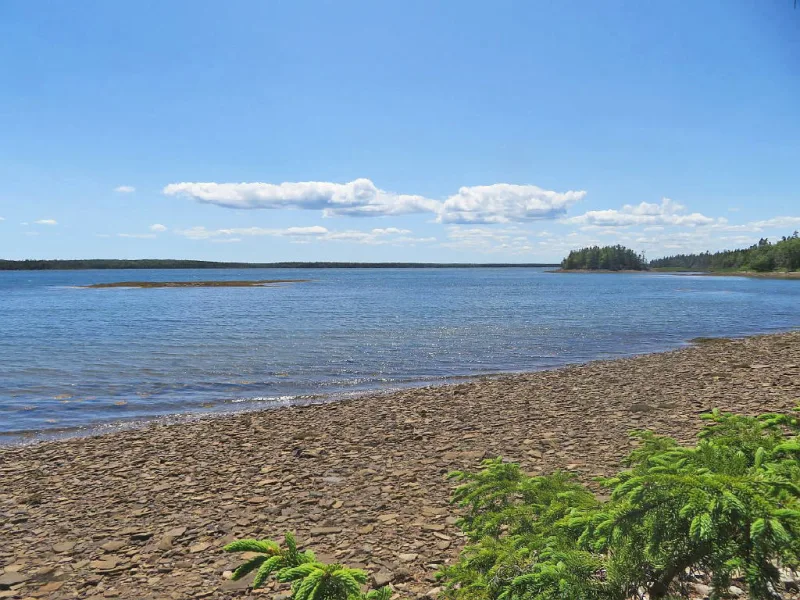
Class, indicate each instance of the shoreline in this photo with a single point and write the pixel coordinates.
(143, 513)
(228, 408)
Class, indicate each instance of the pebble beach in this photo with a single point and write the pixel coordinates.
(144, 513)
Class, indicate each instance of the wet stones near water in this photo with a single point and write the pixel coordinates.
(144, 514)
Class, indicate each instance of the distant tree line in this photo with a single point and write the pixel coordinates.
(607, 258)
(763, 256)
(77, 265)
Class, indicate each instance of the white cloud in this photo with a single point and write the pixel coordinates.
(497, 203)
(125, 189)
(777, 222)
(46, 222)
(137, 236)
(2, 219)
(668, 212)
(504, 203)
(157, 227)
(388, 235)
(360, 197)
(201, 233)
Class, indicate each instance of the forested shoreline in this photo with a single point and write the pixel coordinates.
(782, 256)
(765, 256)
(78, 265)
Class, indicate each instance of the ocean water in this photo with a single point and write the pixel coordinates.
(82, 360)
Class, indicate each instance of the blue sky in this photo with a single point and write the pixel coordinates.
(417, 130)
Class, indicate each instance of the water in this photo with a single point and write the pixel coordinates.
(80, 359)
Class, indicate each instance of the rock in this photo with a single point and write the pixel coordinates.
(51, 587)
(104, 565)
(12, 578)
(382, 578)
(788, 582)
(175, 532)
(201, 547)
(318, 531)
(736, 592)
(434, 592)
(408, 557)
(234, 586)
(113, 545)
(62, 547)
(701, 590)
(433, 527)
(367, 529)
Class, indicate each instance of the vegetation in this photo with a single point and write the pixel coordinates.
(607, 258)
(309, 578)
(78, 265)
(762, 257)
(726, 509)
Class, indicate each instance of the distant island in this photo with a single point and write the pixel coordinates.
(192, 284)
(765, 259)
(607, 258)
(80, 265)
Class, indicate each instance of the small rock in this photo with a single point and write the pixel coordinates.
(318, 531)
(175, 532)
(408, 557)
(701, 590)
(789, 583)
(736, 591)
(113, 546)
(382, 578)
(11, 578)
(104, 565)
(62, 547)
(48, 588)
(201, 547)
(432, 527)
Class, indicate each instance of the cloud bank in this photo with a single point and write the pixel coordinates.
(668, 212)
(388, 235)
(497, 203)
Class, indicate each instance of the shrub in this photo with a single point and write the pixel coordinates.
(309, 578)
(729, 506)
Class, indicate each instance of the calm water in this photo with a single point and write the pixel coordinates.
(77, 359)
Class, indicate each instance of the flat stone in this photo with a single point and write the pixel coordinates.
(113, 545)
(51, 587)
(201, 547)
(433, 527)
(104, 565)
(318, 531)
(408, 557)
(62, 547)
(175, 532)
(382, 578)
(12, 578)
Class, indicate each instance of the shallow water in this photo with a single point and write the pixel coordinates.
(77, 359)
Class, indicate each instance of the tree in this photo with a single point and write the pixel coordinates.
(728, 507)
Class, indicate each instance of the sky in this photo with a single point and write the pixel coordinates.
(422, 130)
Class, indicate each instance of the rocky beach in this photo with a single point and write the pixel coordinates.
(144, 513)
